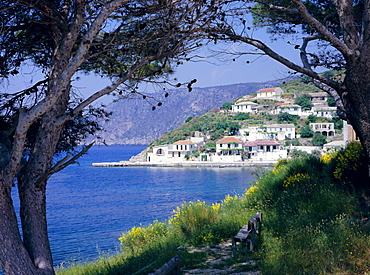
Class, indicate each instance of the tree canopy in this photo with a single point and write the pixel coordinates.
(326, 35)
(125, 42)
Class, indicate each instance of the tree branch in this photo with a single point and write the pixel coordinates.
(268, 51)
(327, 35)
(66, 161)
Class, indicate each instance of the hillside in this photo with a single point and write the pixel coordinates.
(134, 122)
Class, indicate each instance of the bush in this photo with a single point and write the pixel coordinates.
(316, 216)
(241, 116)
(318, 139)
(304, 102)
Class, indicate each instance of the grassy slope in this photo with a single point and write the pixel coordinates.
(315, 211)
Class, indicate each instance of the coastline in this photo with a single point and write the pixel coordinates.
(196, 164)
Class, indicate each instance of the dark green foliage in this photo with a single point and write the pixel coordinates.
(318, 139)
(286, 118)
(304, 102)
(227, 105)
(294, 142)
(331, 101)
(338, 123)
(311, 119)
(241, 116)
(306, 131)
(349, 169)
(188, 119)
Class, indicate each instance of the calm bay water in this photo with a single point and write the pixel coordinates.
(89, 207)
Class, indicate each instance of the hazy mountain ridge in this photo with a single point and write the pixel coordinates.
(134, 122)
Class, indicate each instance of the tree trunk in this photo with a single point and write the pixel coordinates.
(14, 258)
(356, 99)
(32, 188)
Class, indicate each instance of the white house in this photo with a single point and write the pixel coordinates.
(172, 152)
(252, 133)
(265, 150)
(269, 93)
(280, 131)
(245, 107)
(181, 148)
(292, 109)
(228, 149)
(159, 154)
(318, 98)
(324, 111)
(326, 129)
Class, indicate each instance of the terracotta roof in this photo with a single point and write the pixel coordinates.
(229, 140)
(266, 90)
(184, 142)
(260, 143)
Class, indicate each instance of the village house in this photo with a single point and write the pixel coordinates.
(244, 107)
(326, 129)
(318, 98)
(324, 111)
(280, 131)
(265, 150)
(266, 132)
(270, 93)
(292, 109)
(228, 149)
(172, 152)
(252, 133)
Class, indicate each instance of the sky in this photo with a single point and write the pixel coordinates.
(208, 71)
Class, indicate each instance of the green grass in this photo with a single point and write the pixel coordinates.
(315, 215)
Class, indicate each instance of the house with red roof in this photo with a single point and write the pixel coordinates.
(269, 93)
(229, 148)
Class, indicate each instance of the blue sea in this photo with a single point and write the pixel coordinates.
(88, 208)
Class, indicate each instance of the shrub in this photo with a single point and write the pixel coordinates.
(348, 167)
(196, 221)
(241, 116)
(318, 139)
(138, 237)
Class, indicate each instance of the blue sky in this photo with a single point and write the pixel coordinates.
(208, 72)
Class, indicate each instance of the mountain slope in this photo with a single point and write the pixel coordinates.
(134, 122)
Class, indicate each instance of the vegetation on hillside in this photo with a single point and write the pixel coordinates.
(219, 122)
(315, 221)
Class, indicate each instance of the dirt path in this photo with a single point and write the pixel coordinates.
(220, 261)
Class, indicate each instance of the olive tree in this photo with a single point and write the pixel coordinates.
(339, 31)
(124, 41)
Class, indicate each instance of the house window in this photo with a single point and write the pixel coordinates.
(221, 145)
(160, 152)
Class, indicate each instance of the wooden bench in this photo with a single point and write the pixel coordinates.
(247, 234)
